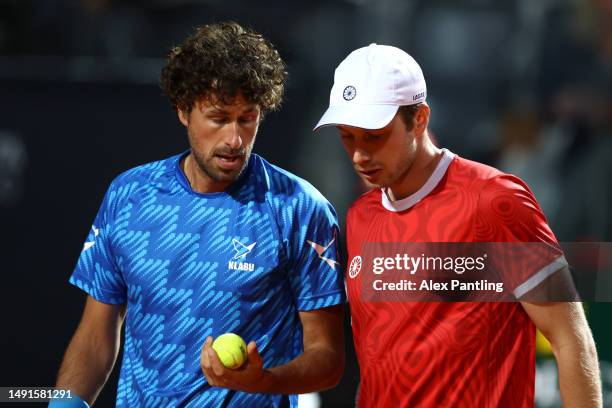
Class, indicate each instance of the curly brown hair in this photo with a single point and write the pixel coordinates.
(222, 61)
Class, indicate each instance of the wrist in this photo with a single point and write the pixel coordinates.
(267, 382)
(73, 402)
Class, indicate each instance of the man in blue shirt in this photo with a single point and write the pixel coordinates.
(210, 241)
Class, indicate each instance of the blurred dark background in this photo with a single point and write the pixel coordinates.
(523, 85)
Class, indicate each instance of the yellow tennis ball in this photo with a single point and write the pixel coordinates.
(231, 350)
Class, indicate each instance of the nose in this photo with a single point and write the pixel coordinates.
(233, 139)
(360, 157)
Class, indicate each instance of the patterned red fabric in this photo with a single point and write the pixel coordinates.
(445, 354)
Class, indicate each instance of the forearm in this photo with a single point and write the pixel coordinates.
(313, 370)
(579, 379)
(320, 366)
(86, 365)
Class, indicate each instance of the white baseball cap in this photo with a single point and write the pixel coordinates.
(370, 85)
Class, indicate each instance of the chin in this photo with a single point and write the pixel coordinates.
(228, 176)
(224, 177)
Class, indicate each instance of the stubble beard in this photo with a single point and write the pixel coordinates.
(399, 172)
(216, 174)
(206, 164)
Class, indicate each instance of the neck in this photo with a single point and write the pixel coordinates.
(199, 181)
(427, 158)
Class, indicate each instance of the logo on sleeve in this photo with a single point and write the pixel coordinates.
(355, 267)
(320, 250)
(241, 252)
(89, 244)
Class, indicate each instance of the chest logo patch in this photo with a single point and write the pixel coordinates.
(241, 252)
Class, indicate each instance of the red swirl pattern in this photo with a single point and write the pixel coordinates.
(445, 354)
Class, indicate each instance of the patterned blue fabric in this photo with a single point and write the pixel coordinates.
(190, 265)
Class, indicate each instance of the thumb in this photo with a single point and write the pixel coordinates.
(253, 354)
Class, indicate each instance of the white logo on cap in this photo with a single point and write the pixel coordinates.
(349, 93)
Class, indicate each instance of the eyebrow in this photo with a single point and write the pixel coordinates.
(221, 111)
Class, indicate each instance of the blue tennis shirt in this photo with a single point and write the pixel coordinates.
(190, 265)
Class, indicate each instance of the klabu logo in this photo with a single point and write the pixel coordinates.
(241, 252)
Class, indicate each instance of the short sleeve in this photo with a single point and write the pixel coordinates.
(96, 272)
(314, 273)
(509, 213)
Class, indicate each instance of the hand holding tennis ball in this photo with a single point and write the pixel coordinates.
(228, 362)
(231, 350)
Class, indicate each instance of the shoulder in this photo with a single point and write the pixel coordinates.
(146, 176)
(496, 192)
(507, 210)
(147, 172)
(487, 181)
(476, 172)
(503, 190)
(293, 202)
(285, 188)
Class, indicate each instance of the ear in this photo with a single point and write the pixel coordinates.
(421, 119)
(183, 116)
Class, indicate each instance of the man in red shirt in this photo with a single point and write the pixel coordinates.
(438, 354)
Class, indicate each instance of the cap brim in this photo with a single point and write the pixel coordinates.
(361, 116)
